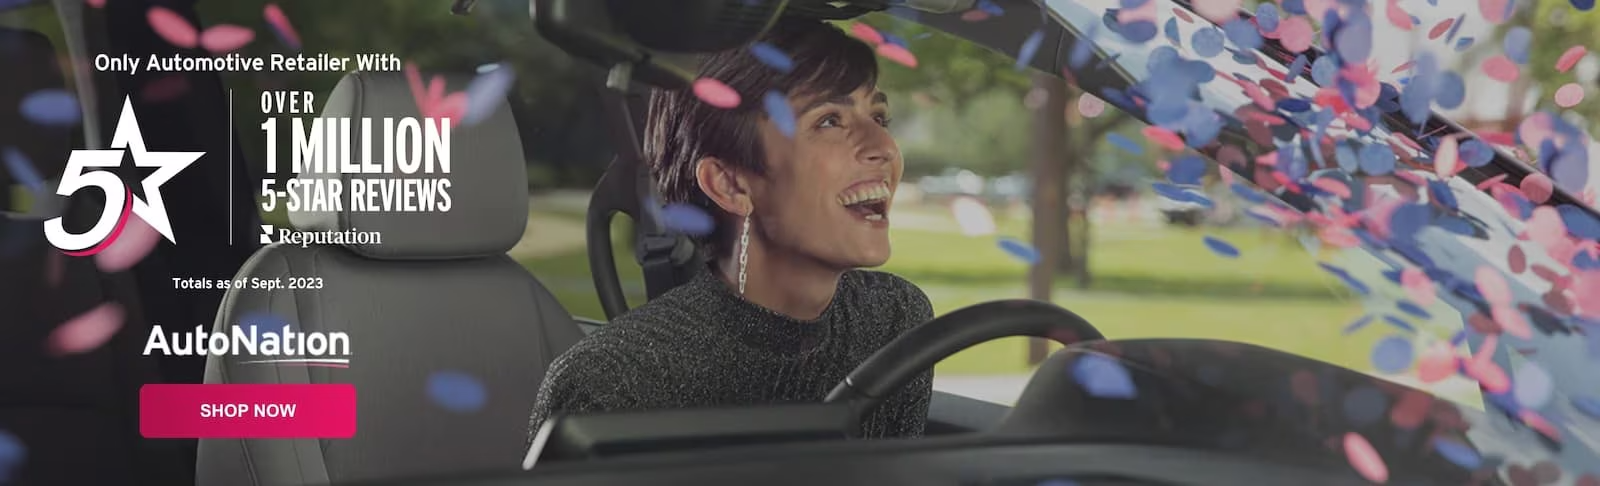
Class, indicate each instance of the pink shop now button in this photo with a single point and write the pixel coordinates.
(247, 411)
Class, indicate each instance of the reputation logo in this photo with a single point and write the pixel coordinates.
(120, 200)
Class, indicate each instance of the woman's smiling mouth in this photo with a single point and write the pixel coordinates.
(868, 200)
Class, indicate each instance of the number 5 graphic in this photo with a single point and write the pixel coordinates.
(119, 202)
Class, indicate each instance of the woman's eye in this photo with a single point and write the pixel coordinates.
(828, 121)
(884, 120)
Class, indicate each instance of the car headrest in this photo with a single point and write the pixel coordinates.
(488, 182)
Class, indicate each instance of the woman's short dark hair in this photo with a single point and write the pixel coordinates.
(681, 129)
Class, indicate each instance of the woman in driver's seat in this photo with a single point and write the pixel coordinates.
(783, 312)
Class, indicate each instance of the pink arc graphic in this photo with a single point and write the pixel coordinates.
(122, 222)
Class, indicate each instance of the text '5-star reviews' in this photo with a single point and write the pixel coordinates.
(412, 154)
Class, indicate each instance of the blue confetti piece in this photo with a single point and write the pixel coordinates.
(1058, 482)
(264, 323)
(990, 8)
(22, 169)
(1201, 127)
(1377, 159)
(1267, 17)
(1441, 193)
(1294, 7)
(457, 392)
(1132, 4)
(1464, 43)
(895, 39)
(1242, 33)
(1247, 193)
(1354, 40)
(1516, 43)
(1171, 30)
(1583, 5)
(1398, 323)
(1579, 222)
(1139, 32)
(1392, 354)
(1475, 153)
(51, 107)
(12, 455)
(1456, 27)
(1082, 49)
(771, 56)
(1412, 308)
(1221, 248)
(1207, 42)
(779, 111)
(1297, 66)
(687, 219)
(486, 93)
(1589, 406)
(1457, 453)
(1365, 406)
(1030, 46)
(1103, 377)
(1451, 90)
(1358, 324)
(1187, 169)
(1294, 105)
(1125, 144)
(1532, 386)
(1019, 250)
(1324, 70)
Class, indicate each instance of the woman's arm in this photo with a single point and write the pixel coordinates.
(573, 386)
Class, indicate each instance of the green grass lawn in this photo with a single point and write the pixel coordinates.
(1160, 282)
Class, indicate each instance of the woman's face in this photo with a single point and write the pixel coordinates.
(827, 190)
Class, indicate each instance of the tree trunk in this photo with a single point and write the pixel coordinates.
(1049, 194)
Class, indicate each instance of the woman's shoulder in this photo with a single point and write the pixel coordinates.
(896, 292)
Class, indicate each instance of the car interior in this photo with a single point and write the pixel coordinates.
(438, 275)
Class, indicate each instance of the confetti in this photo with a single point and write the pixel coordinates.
(1221, 248)
(172, 27)
(772, 57)
(281, 26)
(1364, 458)
(223, 39)
(1569, 95)
(897, 54)
(456, 391)
(1090, 106)
(1588, 406)
(1532, 385)
(1392, 354)
(1437, 363)
(779, 111)
(487, 92)
(1492, 286)
(866, 33)
(1104, 377)
(22, 169)
(88, 331)
(1295, 33)
(1489, 375)
(1537, 187)
(1187, 170)
(12, 455)
(165, 88)
(1030, 47)
(51, 107)
(1570, 58)
(1019, 250)
(1458, 453)
(1500, 68)
(1516, 44)
(127, 245)
(1218, 11)
(1398, 15)
(687, 219)
(1207, 42)
(1495, 11)
(715, 93)
(1125, 144)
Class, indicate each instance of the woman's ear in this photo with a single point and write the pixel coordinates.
(721, 182)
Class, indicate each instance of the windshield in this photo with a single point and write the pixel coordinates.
(1445, 267)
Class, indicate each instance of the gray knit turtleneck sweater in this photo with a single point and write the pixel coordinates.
(702, 345)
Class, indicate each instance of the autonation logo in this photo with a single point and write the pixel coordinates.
(283, 346)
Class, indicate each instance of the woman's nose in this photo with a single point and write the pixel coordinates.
(878, 147)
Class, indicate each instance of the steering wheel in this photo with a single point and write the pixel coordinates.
(894, 366)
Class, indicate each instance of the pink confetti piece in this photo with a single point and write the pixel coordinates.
(1418, 287)
(280, 22)
(132, 245)
(1295, 33)
(1219, 11)
(1537, 422)
(1492, 286)
(1570, 58)
(1090, 106)
(173, 27)
(87, 331)
(1440, 28)
(1412, 409)
(1495, 11)
(1436, 363)
(1447, 160)
(975, 15)
(1364, 458)
(166, 88)
(717, 94)
(1165, 138)
(223, 39)
(1537, 187)
(1333, 186)
(866, 33)
(1569, 95)
(1501, 68)
(55, 269)
(1398, 16)
(1490, 376)
(95, 3)
(1516, 259)
(898, 54)
(1511, 321)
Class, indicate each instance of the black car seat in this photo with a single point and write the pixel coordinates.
(439, 294)
(75, 416)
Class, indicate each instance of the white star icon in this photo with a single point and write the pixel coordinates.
(167, 165)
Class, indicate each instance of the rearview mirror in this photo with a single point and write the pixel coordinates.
(644, 34)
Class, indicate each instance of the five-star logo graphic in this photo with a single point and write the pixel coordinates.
(120, 201)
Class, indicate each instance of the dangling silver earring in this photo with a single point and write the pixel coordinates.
(744, 252)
